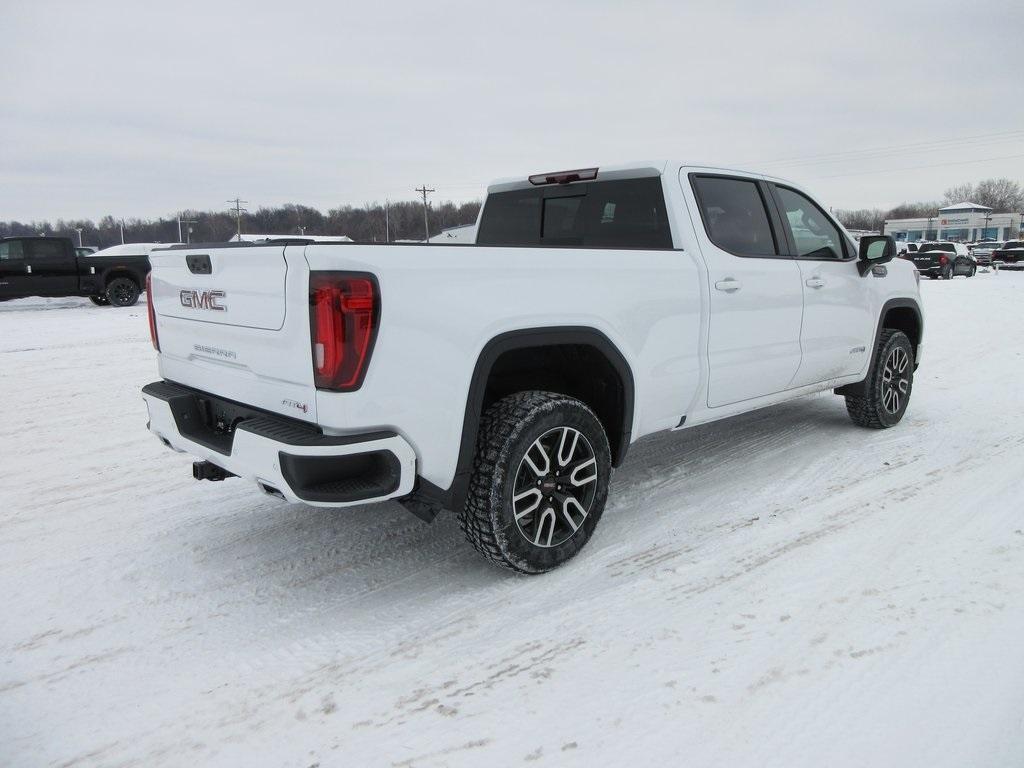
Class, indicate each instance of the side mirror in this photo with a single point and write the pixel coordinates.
(875, 250)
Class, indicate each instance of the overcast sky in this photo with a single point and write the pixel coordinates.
(139, 109)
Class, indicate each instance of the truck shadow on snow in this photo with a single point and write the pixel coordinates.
(706, 470)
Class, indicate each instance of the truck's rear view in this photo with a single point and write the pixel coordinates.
(503, 380)
(247, 337)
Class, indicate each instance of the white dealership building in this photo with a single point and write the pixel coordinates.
(964, 222)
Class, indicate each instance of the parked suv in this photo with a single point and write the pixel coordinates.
(945, 260)
(504, 380)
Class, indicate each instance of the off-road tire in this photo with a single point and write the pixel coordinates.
(123, 292)
(869, 410)
(507, 431)
(100, 301)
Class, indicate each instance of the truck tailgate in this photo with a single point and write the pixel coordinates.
(235, 322)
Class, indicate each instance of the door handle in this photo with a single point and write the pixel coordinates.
(728, 285)
(814, 282)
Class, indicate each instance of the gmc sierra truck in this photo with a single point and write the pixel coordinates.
(52, 266)
(503, 380)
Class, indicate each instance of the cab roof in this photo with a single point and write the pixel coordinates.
(633, 170)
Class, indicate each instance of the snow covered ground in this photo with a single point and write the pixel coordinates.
(782, 589)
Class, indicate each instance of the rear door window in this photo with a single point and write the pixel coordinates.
(627, 213)
(47, 249)
(735, 216)
(12, 250)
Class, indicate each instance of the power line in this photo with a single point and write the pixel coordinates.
(882, 155)
(426, 227)
(917, 167)
(935, 144)
(239, 210)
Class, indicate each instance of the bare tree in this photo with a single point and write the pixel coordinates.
(1002, 195)
(865, 218)
(958, 194)
(914, 211)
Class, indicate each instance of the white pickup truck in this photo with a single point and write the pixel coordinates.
(503, 380)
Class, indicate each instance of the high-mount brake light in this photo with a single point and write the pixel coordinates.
(344, 312)
(151, 311)
(563, 177)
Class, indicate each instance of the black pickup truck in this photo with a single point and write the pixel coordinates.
(49, 266)
(1011, 254)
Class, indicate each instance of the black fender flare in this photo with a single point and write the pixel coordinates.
(112, 273)
(912, 304)
(455, 496)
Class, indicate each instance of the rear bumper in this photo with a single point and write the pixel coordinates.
(282, 456)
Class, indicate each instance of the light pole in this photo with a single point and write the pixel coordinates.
(79, 231)
(188, 228)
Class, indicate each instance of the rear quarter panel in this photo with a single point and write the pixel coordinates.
(440, 305)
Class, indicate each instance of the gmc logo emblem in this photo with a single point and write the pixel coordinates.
(203, 300)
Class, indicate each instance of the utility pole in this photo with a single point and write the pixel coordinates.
(239, 210)
(79, 231)
(387, 221)
(121, 222)
(188, 228)
(424, 190)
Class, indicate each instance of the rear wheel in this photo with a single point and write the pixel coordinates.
(973, 270)
(947, 272)
(888, 386)
(539, 482)
(99, 301)
(123, 292)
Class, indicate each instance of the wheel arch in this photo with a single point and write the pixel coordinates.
(498, 356)
(115, 272)
(903, 314)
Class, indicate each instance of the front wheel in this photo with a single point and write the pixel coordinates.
(539, 482)
(888, 386)
(123, 292)
(973, 271)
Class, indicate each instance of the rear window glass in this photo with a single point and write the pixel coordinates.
(47, 249)
(604, 214)
(948, 247)
(1013, 244)
(11, 249)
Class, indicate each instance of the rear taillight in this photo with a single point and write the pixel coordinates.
(943, 260)
(344, 311)
(151, 311)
